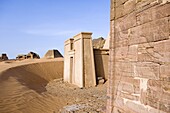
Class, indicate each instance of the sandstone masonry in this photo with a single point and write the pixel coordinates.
(139, 64)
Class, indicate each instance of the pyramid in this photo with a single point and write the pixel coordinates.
(52, 54)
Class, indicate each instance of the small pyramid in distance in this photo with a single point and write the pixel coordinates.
(52, 54)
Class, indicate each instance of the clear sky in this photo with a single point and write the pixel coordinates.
(40, 25)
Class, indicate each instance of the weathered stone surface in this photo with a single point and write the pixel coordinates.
(126, 87)
(140, 57)
(33, 55)
(158, 52)
(158, 99)
(150, 14)
(127, 53)
(147, 70)
(165, 72)
(142, 4)
(112, 15)
(107, 42)
(52, 54)
(98, 43)
(124, 67)
(146, 52)
(3, 57)
(126, 22)
(129, 6)
(79, 67)
(121, 39)
(129, 96)
(133, 53)
(119, 11)
(162, 51)
(128, 79)
(120, 2)
(121, 53)
(30, 55)
(150, 32)
(122, 82)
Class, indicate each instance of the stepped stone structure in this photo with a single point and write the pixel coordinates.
(139, 63)
(30, 55)
(52, 54)
(83, 65)
(3, 57)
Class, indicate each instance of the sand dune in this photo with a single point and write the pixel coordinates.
(35, 86)
(22, 86)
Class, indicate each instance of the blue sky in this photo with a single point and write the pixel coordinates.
(40, 25)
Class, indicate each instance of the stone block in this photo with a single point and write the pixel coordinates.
(143, 4)
(119, 11)
(154, 85)
(133, 53)
(120, 2)
(162, 51)
(125, 74)
(139, 34)
(128, 79)
(165, 72)
(126, 87)
(155, 100)
(144, 16)
(150, 14)
(129, 96)
(121, 53)
(126, 67)
(147, 70)
(154, 52)
(161, 11)
(143, 97)
(136, 106)
(169, 25)
(121, 38)
(126, 53)
(118, 110)
(159, 29)
(126, 22)
(149, 32)
(159, 91)
(112, 4)
(146, 52)
(112, 15)
(133, 84)
(129, 6)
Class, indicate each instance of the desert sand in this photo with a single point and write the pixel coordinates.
(36, 86)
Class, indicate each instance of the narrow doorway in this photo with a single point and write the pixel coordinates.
(71, 69)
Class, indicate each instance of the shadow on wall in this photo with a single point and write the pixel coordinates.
(101, 57)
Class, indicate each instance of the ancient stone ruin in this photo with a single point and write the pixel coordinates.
(139, 64)
(98, 43)
(30, 55)
(52, 54)
(83, 64)
(3, 57)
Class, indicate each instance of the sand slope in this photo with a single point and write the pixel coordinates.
(22, 86)
(34, 86)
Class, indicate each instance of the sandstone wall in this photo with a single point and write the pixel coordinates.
(139, 64)
(79, 68)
